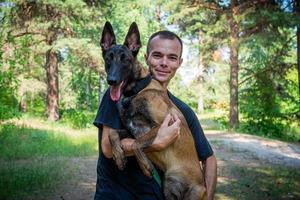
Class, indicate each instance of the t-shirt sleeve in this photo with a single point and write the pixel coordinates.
(108, 113)
(203, 147)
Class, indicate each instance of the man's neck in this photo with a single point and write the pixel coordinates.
(163, 84)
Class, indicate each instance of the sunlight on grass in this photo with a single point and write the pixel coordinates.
(35, 154)
(28, 142)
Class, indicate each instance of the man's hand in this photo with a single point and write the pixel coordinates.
(167, 134)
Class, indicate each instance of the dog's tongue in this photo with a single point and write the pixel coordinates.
(115, 92)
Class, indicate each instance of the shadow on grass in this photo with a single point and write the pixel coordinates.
(34, 161)
(259, 183)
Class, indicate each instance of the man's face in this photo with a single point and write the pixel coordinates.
(164, 58)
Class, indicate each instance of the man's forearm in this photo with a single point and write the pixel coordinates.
(210, 173)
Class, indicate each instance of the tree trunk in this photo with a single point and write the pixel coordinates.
(88, 90)
(23, 104)
(157, 14)
(52, 85)
(101, 87)
(297, 11)
(234, 68)
(200, 78)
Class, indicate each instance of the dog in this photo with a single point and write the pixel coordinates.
(143, 104)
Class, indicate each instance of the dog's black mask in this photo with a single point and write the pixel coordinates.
(119, 59)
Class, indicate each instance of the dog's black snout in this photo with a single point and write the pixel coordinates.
(112, 81)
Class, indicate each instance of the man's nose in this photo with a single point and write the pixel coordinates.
(164, 61)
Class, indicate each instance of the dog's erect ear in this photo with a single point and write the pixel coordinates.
(108, 37)
(132, 40)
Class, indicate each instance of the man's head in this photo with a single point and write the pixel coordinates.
(163, 55)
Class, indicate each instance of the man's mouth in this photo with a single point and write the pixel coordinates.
(116, 91)
(162, 73)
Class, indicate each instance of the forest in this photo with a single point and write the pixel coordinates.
(240, 74)
(241, 58)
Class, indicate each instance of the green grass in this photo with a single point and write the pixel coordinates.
(35, 160)
(259, 183)
(27, 177)
(28, 143)
(241, 175)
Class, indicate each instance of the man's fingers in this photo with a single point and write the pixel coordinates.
(175, 117)
(166, 120)
(177, 122)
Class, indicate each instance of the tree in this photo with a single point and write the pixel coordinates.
(227, 23)
(53, 25)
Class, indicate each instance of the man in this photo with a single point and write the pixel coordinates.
(163, 57)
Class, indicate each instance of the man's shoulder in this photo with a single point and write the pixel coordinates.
(179, 103)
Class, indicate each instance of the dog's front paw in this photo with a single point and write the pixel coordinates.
(119, 157)
(148, 169)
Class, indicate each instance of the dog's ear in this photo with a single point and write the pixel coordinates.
(108, 37)
(132, 40)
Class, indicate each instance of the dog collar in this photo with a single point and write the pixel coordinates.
(139, 85)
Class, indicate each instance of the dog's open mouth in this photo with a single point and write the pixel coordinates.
(116, 91)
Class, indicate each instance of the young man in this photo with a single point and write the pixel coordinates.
(163, 57)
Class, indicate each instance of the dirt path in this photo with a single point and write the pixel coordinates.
(238, 156)
(267, 150)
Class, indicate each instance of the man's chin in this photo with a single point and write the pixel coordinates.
(161, 79)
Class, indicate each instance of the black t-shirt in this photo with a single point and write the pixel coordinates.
(131, 183)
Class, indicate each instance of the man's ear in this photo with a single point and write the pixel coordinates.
(132, 40)
(180, 61)
(146, 57)
(108, 37)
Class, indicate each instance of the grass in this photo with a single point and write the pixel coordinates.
(241, 175)
(28, 143)
(242, 182)
(34, 156)
(35, 160)
(27, 177)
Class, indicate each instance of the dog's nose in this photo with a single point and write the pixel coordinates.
(111, 81)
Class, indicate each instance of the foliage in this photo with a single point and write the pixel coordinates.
(184, 93)
(9, 103)
(268, 96)
(77, 118)
(269, 101)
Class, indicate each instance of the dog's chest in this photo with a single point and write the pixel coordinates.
(135, 115)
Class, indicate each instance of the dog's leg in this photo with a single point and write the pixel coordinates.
(139, 145)
(196, 192)
(175, 186)
(116, 148)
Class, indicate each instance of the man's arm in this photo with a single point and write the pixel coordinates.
(168, 132)
(210, 174)
(105, 144)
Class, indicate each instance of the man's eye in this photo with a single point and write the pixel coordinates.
(173, 58)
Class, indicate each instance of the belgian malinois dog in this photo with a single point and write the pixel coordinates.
(143, 104)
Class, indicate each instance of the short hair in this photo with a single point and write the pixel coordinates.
(164, 35)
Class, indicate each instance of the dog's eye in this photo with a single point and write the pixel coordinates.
(122, 57)
(109, 57)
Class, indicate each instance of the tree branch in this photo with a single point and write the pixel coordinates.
(248, 4)
(27, 33)
(208, 5)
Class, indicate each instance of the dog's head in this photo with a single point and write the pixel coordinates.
(119, 59)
